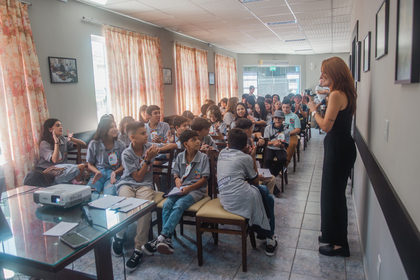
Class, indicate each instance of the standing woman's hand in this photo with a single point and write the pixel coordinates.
(312, 106)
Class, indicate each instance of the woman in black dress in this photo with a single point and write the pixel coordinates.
(339, 154)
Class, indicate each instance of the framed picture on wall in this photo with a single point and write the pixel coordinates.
(167, 76)
(357, 61)
(366, 53)
(63, 70)
(211, 78)
(407, 56)
(381, 30)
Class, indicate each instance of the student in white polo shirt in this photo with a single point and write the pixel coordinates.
(293, 123)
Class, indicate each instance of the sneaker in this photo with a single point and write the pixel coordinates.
(150, 247)
(270, 250)
(134, 261)
(165, 247)
(117, 246)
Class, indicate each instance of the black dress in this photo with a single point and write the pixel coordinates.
(339, 158)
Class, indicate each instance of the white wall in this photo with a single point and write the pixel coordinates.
(380, 99)
(58, 30)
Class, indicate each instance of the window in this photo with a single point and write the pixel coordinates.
(100, 75)
(281, 80)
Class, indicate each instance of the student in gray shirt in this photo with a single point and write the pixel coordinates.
(236, 166)
(156, 130)
(202, 127)
(53, 151)
(104, 157)
(191, 172)
(123, 133)
(137, 181)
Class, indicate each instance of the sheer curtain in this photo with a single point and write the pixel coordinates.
(135, 71)
(23, 107)
(226, 79)
(192, 80)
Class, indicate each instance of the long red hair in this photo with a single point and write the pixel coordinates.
(338, 71)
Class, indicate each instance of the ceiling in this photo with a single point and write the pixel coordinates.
(265, 26)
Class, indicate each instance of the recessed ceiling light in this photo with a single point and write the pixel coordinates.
(303, 50)
(281, 22)
(102, 2)
(295, 40)
(249, 1)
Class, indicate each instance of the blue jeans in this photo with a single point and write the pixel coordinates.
(104, 183)
(266, 194)
(172, 211)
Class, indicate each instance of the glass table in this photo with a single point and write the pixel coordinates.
(30, 252)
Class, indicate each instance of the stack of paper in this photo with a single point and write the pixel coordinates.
(128, 204)
(265, 172)
(106, 201)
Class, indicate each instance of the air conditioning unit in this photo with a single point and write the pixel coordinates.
(274, 62)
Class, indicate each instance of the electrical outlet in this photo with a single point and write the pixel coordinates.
(378, 267)
(386, 130)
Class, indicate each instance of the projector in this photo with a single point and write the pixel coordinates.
(63, 195)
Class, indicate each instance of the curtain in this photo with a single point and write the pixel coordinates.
(192, 80)
(134, 70)
(226, 79)
(23, 106)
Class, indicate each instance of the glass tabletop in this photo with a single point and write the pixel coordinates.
(28, 221)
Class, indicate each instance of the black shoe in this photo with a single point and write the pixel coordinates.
(117, 246)
(150, 247)
(270, 250)
(328, 250)
(165, 247)
(321, 240)
(134, 261)
(276, 191)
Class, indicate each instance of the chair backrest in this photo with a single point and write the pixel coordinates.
(77, 154)
(212, 190)
(163, 166)
(261, 150)
(222, 143)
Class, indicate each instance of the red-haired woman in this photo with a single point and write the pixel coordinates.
(339, 154)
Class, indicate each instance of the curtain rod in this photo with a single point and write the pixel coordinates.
(176, 42)
(104, 23)
(26, 3)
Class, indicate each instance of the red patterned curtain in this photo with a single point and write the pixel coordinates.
(135, 71)
(192, 80)
(226, 79)
(23, 106)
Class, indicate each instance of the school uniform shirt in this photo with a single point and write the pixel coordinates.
(292, 120)
(46, 151)
(303, 107)
(222, 128)
(282, 133)
(209, 141)
(103, 158)
(236, 195)
(125, 139)
(228, 118)
(200, 168)
(132, 163)
(161, 130)
(178, 142)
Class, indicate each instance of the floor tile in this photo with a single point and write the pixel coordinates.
(314, 264)
(295, 276)
(287, 237)
(354, 268)
(313, 208)
(257, 273)
(308, 240)
(289, 219)
(312, 222)
(314, 196)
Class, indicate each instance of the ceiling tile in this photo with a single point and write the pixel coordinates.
(244, 21)
(150, 16)
(311, 6)
(170, 22)
(223, 5)
(164, 4)
(184, 11)
(130, 7)
(276, 10)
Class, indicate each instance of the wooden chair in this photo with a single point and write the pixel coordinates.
(284, 179)
(78, 154)
(213, 213)
(261, 153)
(220, 145)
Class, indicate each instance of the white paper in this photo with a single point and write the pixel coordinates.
(175, 191)
(128, 204)
(106, 201)
(60, 229)
(265, 172)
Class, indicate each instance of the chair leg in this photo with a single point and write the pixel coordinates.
(283, 178)
(151, 231)
(244, 262)
(199, 242)
(181, 225)
(298, 150)
(216, 235)
(252, 238)
(294, 162)
(286, 181)
(159, 218)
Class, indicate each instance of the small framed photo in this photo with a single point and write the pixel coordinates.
(407, 57)
(63, 70)
(381, 30)
(167, 76)
(211, 78)
(366, 53)
(358, 61)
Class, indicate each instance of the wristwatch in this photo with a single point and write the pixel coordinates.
(313, 113)
(148, 162)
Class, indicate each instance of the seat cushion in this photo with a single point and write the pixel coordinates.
(197, 206)
(158, 197)
(213, 209)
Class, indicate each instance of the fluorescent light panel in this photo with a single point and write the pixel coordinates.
(295, 40)
(281, 22)
(249, 1)
(102, 2)
(304, 50)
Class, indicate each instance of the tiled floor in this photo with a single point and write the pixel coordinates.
(297, 229)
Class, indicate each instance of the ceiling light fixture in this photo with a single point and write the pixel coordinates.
(102, 2)
(303, 50)
(295, 40)
(281, 22)
(249, 1)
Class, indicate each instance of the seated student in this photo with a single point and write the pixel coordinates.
(300, 110)
(275, 97)
(209, 102)
(218, 127)
(189, 115)
(247, 126)
(278, 141)
(277, 106)
(104, 157)
(203, 110)
(202, 127)
(261, 116)
(157, 131)
(191, 172)
(223, 105)
(181, 124)
(268, 96)
(250, 105)
(241, 112)
(229, 116)
(244, 97)
(293, 122)
(260, 98)
(53, 151)
(268, 103)
(143, 117)
(137, 182)
(236, 166)
(123, 134)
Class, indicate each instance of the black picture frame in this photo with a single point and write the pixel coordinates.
(63, 70)
(407, 57)
(353, 46)
(358, 61)
(382, 30)
(167, 76)
(366, 53)
(211, 78)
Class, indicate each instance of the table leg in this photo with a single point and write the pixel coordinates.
(103, 260)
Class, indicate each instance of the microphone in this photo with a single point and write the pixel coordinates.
(88, 216)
